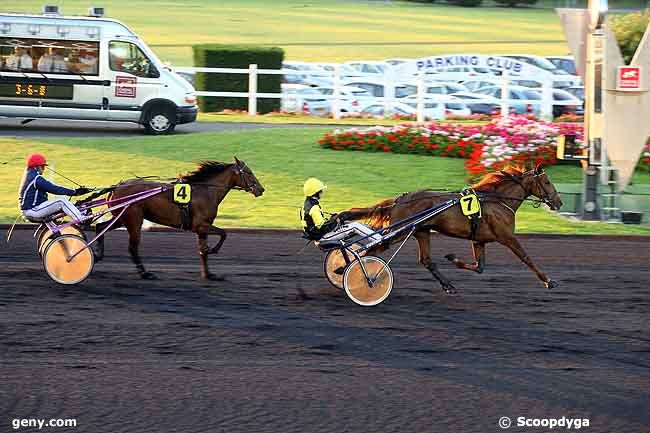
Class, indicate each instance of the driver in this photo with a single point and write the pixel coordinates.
(316, 227)
(33, 193)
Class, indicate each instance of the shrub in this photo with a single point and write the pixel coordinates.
(467, 3)
(629, 29)
(513, 3)
(237, 56)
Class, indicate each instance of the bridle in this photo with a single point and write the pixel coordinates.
(537, 202)
(247, 187)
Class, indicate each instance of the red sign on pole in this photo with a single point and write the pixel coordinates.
(628, 78)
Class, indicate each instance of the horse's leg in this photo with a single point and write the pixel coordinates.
(99, 244)
(202, 242)
(424, 255)
(478, 249)
(514, 245)
(222, 238)
(133, 223)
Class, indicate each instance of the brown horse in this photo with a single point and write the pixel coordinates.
(501, 194)
(210, 183)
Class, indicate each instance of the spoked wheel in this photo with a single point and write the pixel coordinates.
(359, 289)
(57, 263)
(335, 264)
(44, 238)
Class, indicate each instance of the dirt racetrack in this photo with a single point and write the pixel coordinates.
(250, 354)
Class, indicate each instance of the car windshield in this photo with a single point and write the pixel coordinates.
(543, 64)
(454, 106)
(531, 94)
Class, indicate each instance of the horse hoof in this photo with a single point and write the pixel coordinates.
(148, 276)
(214, 277)
(450, 257)
(449, 290)
(551, 284)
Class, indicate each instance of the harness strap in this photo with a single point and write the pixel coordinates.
(508, 207)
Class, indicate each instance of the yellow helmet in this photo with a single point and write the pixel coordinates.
(313, 186)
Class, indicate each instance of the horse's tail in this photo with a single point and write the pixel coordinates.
(377, 216)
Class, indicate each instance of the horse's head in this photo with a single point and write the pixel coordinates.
(540, 186)
(246, 180)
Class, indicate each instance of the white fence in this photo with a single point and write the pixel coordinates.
(546, 103)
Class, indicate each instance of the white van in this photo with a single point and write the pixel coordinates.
(87, 68)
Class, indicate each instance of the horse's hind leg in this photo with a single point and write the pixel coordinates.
(478, 249)
(424, 254)
(98, 248)
(514, 245)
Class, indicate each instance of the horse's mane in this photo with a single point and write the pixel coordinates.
(491, 180)
(205, 171)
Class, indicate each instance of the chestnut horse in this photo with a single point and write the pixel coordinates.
(210, 184)
(501, 194)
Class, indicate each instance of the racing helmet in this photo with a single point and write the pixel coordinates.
(313, 186)
(36, 160)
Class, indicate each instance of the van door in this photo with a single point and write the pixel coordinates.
(134, 80)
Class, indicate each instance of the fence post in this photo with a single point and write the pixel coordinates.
(420, 96)
(547, 99)
(252, 89)
(336, 93)
(505, 94)
(389, 92)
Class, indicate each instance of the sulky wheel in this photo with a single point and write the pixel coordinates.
(356, 284)
(44, 237)
(57, 263)
(335, 264)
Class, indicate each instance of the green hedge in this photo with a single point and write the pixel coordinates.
(629, 29)
(237, 56)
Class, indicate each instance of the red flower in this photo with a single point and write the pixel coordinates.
(386, 149)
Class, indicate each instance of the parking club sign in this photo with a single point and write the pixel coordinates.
(628, 78)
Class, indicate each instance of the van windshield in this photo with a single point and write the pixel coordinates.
(127, 57)
(49, 56)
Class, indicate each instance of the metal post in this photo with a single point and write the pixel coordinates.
(389, 91)
(336, 94)
(547, 99)
(594, 116)
(252, 89)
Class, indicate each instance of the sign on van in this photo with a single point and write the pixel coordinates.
(125, 87)
(436, 63)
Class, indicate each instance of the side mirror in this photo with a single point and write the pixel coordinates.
(152, 71)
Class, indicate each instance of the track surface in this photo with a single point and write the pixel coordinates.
(250, 354)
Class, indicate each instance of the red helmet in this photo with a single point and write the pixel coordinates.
(35, 160)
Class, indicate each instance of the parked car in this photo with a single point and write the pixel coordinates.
(516, 93)
(561, 78)
(438, 106)
(473, 85)
(306, 73)
(397, 61)
(577, 91)
(376, 86)
(307, 100)
(488, 104)
(566, 63)
(377, 69)
(379, 110)
(570, 104)
(345, 71)
(350, 98)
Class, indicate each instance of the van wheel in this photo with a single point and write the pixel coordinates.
(159, 120)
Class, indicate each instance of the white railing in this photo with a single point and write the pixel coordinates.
(389, 82)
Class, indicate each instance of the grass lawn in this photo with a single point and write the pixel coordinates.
(327, 30)
(282, 159)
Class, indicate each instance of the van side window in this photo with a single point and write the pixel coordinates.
(127, 57)
(49, 56)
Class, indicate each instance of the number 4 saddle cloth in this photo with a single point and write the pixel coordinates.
(183, 198)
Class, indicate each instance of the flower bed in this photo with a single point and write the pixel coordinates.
(485, 147)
